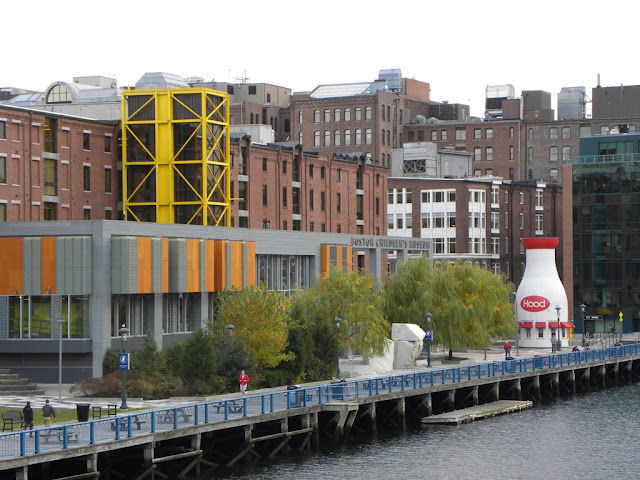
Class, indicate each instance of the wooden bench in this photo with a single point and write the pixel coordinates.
(12, 418)
(123, 423)
(112, 410)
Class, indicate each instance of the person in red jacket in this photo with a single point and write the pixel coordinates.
(244, 380)
(507, 350)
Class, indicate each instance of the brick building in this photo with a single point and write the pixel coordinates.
(57, 167)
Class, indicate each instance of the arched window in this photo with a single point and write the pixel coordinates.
(59, 94)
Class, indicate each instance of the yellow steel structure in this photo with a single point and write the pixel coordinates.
(176, 160)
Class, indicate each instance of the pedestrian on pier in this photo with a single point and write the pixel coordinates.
(507, 351)
(244, 381)
(27, 415)
(47, 412)
(554, 343)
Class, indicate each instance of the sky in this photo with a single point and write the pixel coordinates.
(458, 47)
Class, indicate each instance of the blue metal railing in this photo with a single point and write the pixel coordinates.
(126, 426)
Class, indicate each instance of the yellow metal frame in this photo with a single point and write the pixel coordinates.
(162, 158)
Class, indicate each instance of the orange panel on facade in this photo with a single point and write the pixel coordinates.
(236, 264)
(220, 277)
(251, 264)
(193, 265)
(145, 265)
(48, 265)
(209, 266)
(325, 256)
(11, 265)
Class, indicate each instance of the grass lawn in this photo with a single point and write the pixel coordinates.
(62, 415)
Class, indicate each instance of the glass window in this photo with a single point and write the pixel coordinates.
(566, 132)
(477, 134)
(347, 138)
(367, 136)
(107, 180)
(530, 134)
(358, 140)
(367, 113)
(107, 144)
(316, 116)
(477, 154)
(510, 132)
(443, 135)
(358, 114)
(86, 141)
(553, 154)
(87, 178)
(434, 136)
(336, 138)
(336, 115)
(553, 175)
(461, 134)
(566, 153)
(50, 176)
(300, 117)
(511, 152)
(489, 154)
(530, 154)
(489, 133)
(327, 138)
(347, 114)
(327, 115)
(316, 138)
(553, 133)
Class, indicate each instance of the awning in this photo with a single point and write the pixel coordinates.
(541, 324)
(553, 324)
(567, 325)
(525, 324)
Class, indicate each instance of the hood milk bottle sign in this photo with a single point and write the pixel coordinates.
(539, 293)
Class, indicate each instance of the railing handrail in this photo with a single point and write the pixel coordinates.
(130, 425)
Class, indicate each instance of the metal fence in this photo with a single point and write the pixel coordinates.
(29, 442)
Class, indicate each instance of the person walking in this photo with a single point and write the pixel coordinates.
(244, 381)
(47, 412)
(554, 343)
(27, 415)
(507, 351)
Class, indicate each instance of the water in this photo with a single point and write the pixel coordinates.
(589, 436)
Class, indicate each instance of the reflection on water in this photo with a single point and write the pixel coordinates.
(590, 436)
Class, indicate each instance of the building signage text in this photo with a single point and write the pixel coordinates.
(535, 303)
(391, 243)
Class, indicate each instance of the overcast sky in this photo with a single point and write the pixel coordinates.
(458, 47)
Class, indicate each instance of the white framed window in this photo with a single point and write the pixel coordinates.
(367, 113)
(327, 138)
(539, 198)
(316, 138)
(477, 154)
(553, 175)
(347, 138)
(358, 137)
(358, 114)
(539, 223)
(488, 133)
(522, 221)
(316, 116)
(489, 154)
(461, 134)
(327, 115)
(566, 153)
(477, 134)
(336, 115)
(367, 136)
(566, 132)
(336, 137)
(347, 114)
(553, 133)
(553, 154)
(300, 117)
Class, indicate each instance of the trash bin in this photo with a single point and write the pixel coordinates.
(83, 411)
(337, 391)
(295, 394)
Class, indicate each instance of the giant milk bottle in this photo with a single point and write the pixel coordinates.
(538, 295)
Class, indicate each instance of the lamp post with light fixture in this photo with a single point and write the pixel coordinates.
(336, 322)
(124, 365)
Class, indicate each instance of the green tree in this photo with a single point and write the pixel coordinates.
(233, 357)
(148, 360)
(408, 293)
(351, 297)
(199, 362)
(261, 320)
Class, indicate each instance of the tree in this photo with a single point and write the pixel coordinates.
(349, 296)
(470, 306)
(233, 357)
(199, 362)
(408, 293)
(261, 320)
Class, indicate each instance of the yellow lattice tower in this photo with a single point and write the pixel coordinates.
(176, 160)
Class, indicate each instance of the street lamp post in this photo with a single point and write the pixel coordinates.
(336, 322)
(515, 317)
(427, 317)
(559, 344)
(230, 329)
(583, 308)
(124, 332)
(60, 321)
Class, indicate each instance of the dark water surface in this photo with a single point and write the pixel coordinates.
(589, 436)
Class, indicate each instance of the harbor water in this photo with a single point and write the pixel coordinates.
(587, 436)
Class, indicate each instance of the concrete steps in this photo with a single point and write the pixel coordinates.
(13, 384)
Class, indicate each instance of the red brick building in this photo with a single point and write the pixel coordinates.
(57, 167)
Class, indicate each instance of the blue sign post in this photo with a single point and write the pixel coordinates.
(123, 361)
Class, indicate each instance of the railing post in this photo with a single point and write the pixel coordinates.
(92, 433)
(23, 444)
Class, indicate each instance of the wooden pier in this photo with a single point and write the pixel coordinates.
(479, 412)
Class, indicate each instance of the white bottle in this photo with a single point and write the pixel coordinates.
(539, 294)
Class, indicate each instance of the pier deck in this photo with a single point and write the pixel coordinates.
(478, 412)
